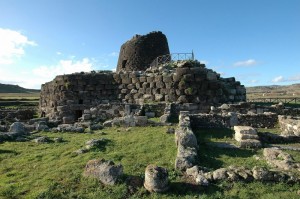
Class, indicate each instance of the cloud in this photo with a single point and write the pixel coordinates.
(67, 66)
(249, 62)
(42, 74)
(12, 45)
(294, 78)
(58, 53)
(289, 79)
(113, 54)
(278, 79)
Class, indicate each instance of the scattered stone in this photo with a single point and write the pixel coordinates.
(279, 159)
(220, 174)
(58, 139)
(95, 127)
(105, 171)
(95, 143)
(81, 151)
(18, 128)
(107, 123)
(41, 140)
(170, 131)
(156, 179)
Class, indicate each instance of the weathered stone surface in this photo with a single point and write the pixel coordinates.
(290, 126)
(18, 128)
(105, 171)
(41, 140)
(247, 137)
(279, 159)
(156, 179)
(140, 51)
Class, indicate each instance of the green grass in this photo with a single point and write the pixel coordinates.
(214, 157)
(52, 170)
(18, 96)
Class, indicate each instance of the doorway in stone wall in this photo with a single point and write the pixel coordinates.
(78, 114)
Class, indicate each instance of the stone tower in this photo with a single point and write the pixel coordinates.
(141, 50)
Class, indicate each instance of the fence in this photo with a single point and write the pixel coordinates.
(163, 59)
(294, 100)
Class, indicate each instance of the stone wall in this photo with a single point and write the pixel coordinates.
(268, 120)
(69, 95)
(138, 53)
(8, 116)
(183, 82)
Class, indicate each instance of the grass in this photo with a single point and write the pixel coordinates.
(18, 96)
(52, 170)
(214, 157)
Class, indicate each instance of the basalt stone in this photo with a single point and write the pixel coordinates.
(156, 179)
(139, 52)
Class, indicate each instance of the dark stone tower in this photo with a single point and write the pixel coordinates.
(141, 50)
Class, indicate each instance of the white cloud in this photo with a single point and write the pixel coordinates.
(12, 45)
(289, 79)
(64, 67)
(249, 62)
(278, 79)
(43, 74)
(113, 54)
(58, 53)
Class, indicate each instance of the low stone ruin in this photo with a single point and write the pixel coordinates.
(247, 137)
(186, 143)
(279, 159)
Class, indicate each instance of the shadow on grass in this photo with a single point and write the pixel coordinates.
(209, 156)
(8, 151)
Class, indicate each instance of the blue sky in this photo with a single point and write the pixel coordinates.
(256, 41)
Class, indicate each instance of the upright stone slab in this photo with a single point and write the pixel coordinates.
(247, 137)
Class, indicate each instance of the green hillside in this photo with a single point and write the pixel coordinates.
(8, 88)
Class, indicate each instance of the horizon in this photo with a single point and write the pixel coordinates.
(256, 42)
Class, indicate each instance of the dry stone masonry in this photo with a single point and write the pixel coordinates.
(84, 95)
(247, 137)
(138, 53)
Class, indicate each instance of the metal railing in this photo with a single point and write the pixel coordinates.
(276, 100)
(163, 59)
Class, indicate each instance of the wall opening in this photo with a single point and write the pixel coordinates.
(80, 101)
(124, 63)
(78, 114)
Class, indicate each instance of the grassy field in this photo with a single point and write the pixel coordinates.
(52, 170)
(19, 96)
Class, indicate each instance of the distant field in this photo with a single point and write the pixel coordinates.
(18, 96)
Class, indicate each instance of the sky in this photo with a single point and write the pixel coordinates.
(255, 41)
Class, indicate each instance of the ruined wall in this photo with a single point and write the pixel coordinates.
(184, 82)
(268, 120)
(68, 95)
(141, 50)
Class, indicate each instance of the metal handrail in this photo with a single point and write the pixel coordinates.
(275, 100)
(163, 59)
